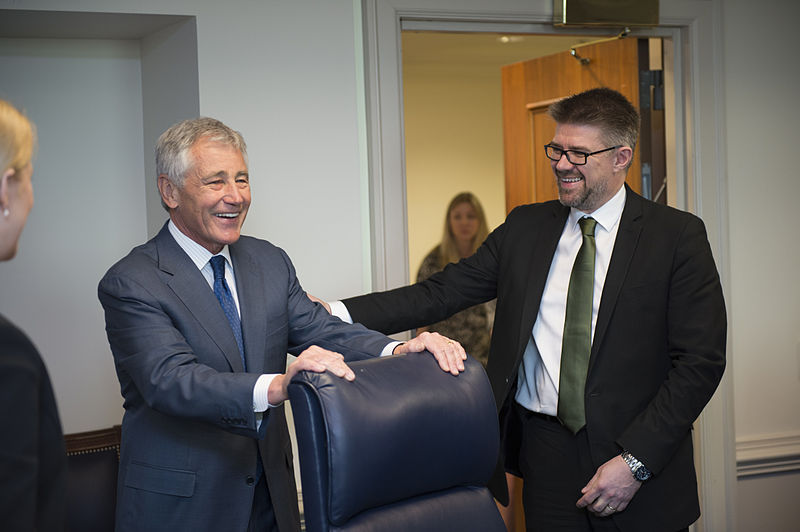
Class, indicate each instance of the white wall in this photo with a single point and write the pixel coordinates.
(170, 93)
(283, 73)
(454, 143)
(85, 97)
(761, 86)
(768, 503)
(762, 114)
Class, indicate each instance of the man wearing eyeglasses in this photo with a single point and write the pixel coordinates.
(597, 404)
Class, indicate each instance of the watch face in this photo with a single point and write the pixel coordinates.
(642, 474)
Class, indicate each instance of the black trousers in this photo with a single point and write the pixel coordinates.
(555, 465)
(262, 516)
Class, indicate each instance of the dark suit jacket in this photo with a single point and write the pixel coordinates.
(189, 436)
(659, 345)
(33, 460)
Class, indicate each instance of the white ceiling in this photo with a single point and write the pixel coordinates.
(425, 49)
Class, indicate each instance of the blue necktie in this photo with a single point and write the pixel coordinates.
(225, 298)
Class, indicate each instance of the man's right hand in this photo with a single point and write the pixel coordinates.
(448, 353)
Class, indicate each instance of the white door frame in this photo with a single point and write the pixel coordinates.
(700, 184)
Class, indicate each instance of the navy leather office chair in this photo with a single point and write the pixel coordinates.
(405, 447)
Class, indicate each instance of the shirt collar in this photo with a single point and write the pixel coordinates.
(607, 216)
(199, 255)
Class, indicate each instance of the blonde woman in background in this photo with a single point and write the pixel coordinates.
(465, 228)
(32, 456)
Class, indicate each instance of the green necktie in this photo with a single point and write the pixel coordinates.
(577, 341)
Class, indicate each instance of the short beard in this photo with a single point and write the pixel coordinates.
(584, 200)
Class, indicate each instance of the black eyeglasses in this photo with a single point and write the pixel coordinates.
(554, 153)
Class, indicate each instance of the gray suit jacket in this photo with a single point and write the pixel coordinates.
(189, 435)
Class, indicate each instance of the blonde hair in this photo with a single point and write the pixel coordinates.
(17, 138)
(448, 250)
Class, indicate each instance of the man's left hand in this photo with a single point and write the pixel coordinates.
(314, 359)
(610, 490)
(320, 301)
(448, 353)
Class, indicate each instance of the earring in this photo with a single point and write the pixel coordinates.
(5, 212)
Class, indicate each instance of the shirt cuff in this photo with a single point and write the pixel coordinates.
(261, 393)
(387, 351)
(339, 310)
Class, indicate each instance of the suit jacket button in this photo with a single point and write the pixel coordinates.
(250, 480)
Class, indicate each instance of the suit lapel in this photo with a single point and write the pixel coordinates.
(536, 264)
(250, 283)
(189, 285)
(630, 228)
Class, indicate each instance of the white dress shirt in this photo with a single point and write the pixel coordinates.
(537, 381)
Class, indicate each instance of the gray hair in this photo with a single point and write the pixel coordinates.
(173, 157)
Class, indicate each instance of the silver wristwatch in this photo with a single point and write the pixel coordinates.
(638, 470)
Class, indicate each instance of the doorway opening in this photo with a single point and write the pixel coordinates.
(459, 135)
(474, 120)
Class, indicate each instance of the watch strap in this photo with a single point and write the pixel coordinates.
(638, 469)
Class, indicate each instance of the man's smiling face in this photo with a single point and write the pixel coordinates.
(211, 205)
(588, 186)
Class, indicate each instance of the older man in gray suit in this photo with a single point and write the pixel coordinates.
(200, 320)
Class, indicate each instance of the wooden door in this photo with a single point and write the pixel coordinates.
(530, 86)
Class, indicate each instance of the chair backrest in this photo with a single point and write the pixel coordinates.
(92, 466)
(404, 447)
